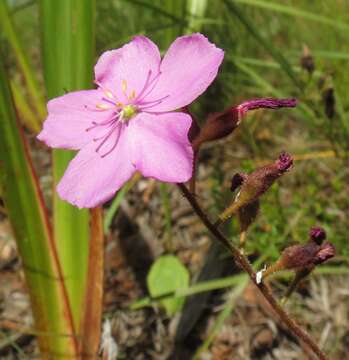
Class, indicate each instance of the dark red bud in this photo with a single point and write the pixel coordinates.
(248, 214)
(194, 128)
(307, 60)
(329, 102)
(317, 234)
(218, 126)
(222, 124)
(237, 181)
(284, 162)
(327, 251)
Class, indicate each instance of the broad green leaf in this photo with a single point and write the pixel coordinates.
(166, 275)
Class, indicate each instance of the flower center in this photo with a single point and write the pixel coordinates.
(128, 111)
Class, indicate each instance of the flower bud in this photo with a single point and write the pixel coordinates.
(222, 124)
(256, 184)
(247, 215)
(237, 181)
(306, 256)
(329, 101)
(307, 60)
(317, 234)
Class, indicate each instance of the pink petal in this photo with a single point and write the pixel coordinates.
(132, 63)
(90, 180)
(68, 118)
(188, 68)
(161, 146)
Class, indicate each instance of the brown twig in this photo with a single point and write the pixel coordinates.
(242, 261)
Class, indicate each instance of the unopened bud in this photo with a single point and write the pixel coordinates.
(247, 215)
(306, 256)
(222, 124)
(317, 234)
(256, 184)
(307, 60)
(237, 181)
(194, 129)
(327, 251)
(329, 102)
(218, 126)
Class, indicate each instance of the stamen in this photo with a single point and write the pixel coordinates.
(103, 123)
(152, 103)
(108, 94)
(106, 137)
(150, 87)
(103, 106)
(145, 84)
(124, 87)
(132, 95)
(106, 91)
(115, 143)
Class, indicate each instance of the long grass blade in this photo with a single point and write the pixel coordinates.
(274, 52)
(296, 12)
(11, 34)
(68, 57)
(25, 209)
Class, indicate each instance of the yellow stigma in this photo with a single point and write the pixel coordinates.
(128, 112)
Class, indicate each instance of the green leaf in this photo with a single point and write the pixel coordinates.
(23, 62)
(29, 220)
(296, 12)
(166, 275)
(68, 57)
(254, 31)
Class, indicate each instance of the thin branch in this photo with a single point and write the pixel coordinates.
(242, 261)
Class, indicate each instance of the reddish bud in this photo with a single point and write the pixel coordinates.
(267, 103)
(218, 126)
(222, 124)
(237, 181)
(329, 102)
(307, 60)
(247, 215)
(256, 184)
(284, 162)
(306, 256)
(327, 251)
(317, 234)
(194, 128)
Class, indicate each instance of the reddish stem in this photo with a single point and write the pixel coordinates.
(242, 261)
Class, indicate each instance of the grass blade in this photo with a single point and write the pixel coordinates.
(274, 52)
(68, 57)
(22, 60)
(27, 116)
(26, 212)
(296, 12)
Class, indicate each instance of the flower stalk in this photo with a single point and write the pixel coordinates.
(243, 262)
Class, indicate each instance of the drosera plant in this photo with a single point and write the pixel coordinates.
(127, 124)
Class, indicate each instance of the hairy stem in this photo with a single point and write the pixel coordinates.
(242, 261)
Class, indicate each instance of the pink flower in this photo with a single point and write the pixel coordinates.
(127, 124)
